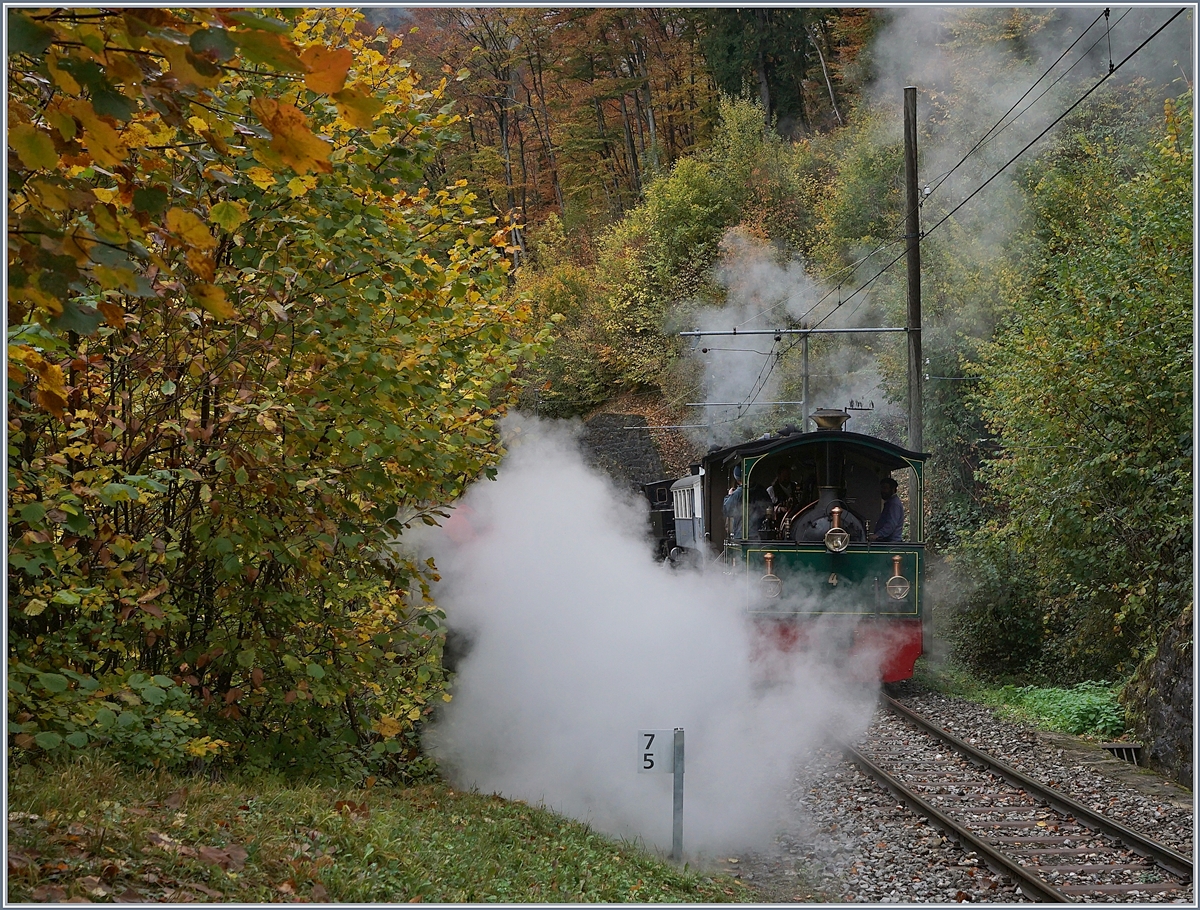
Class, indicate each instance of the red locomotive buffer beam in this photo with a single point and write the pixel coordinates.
(888, 650)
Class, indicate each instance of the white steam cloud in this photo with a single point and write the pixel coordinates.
(740, 375)
(580, 639)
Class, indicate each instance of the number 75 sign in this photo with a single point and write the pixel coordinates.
(656, 751)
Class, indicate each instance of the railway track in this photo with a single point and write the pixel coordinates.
(1056, 849)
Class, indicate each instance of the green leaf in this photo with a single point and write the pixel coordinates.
(151, 200)
(316, 671)
(33, 512)
(105, 718)
(214, 42)
(270, 50)
(109, 103)
(53, 682)
(264, 23)
(79, 739)
(154, 695)
(48, 740)
(78, 318)
(26, 36)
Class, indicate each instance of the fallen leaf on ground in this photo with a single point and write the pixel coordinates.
(232, 857)
(163, 842)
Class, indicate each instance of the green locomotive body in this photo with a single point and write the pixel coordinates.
(804, 545)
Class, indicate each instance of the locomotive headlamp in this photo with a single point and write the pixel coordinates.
(837, 538)
(770, 583)
(897, 585)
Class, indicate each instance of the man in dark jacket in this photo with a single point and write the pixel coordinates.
(890, 527)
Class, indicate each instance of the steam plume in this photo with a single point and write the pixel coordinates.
(580, 639)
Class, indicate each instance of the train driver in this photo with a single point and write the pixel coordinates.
(890, 526)
(732, 505)
(781, 491)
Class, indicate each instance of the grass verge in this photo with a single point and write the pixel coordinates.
(1086, 709)
(100, 831)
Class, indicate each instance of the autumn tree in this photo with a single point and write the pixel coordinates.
(792, 61)
(568, 110)
(1088, 390)
(249, 343)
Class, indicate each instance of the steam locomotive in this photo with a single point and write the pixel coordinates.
(793, 515)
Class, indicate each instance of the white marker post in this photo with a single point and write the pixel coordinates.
(662, 750)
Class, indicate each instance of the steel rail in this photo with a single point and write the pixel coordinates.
(1175, 863)
(1031, 885)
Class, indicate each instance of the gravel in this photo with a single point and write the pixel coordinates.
(1040, 757)
(853, 842)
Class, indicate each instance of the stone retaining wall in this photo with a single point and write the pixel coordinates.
(628, 456)
(1159, 700)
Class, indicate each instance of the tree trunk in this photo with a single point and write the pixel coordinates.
(824, 69)
(760, 68)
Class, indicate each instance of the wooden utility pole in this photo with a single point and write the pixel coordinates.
(912, 232)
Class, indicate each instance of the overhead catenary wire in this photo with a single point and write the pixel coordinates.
(1001, 170)
(773, 358)
(1056, 121)
(987, 137)
(996, 127)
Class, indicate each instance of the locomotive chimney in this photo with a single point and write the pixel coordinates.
(829, 418)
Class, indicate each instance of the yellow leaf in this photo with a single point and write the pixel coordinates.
(387, 727)
(202, 264)
(62, 78)
(61, 121)
(190, 229)
(228, 214)
(38, 298)
(77, 244)
(51, 388)
(137, 135)
(212, 298)
(103, 142)
(121, 70)
(187, 67)
(414, 714)
(54, 196)
(108, 228)
(263, 179)
(115, 278)
(357, 107)
(298, 186)
(113, 314)
(35, 607)
(34, 147)
(104, 195)
(327, 68)
(291, 137)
